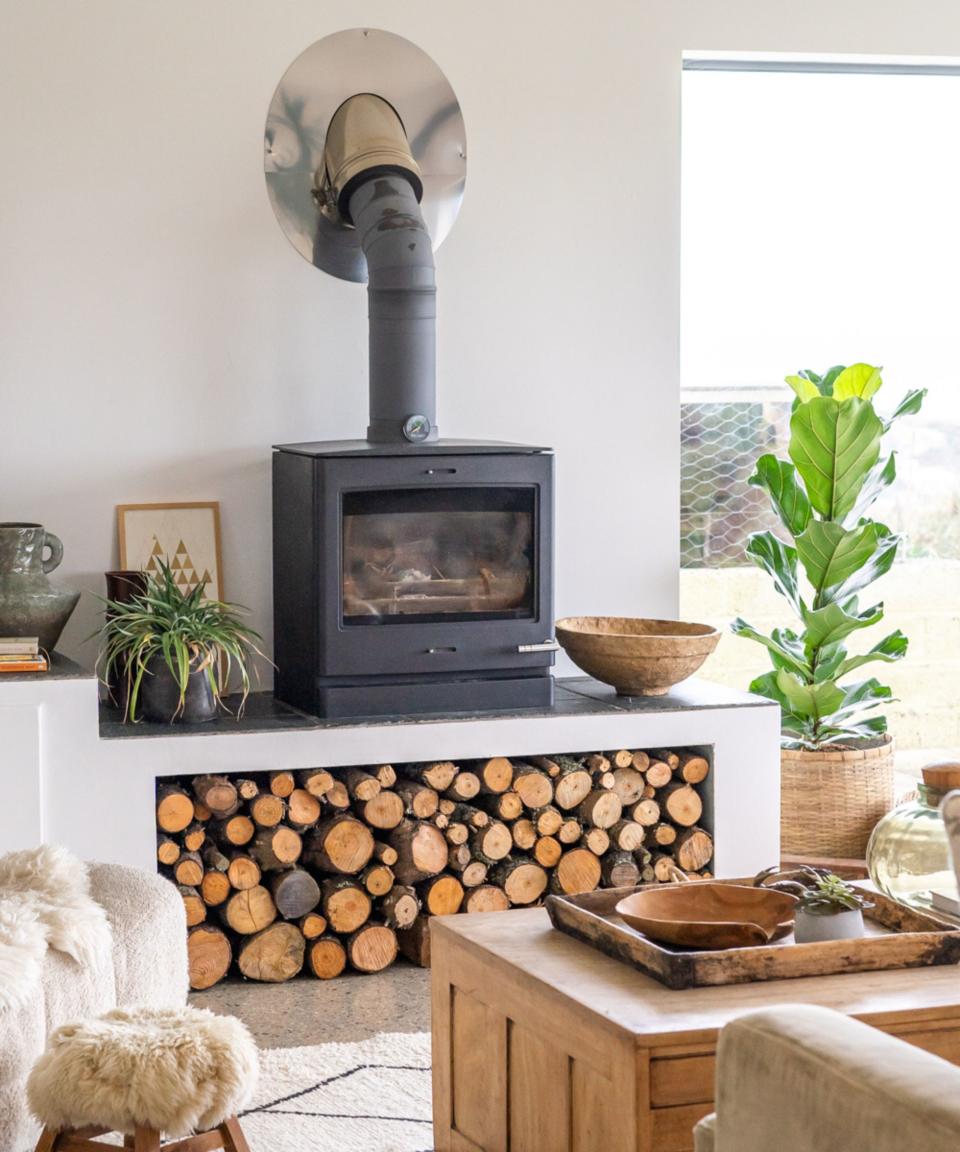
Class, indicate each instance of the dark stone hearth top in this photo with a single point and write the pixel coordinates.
(574, 696)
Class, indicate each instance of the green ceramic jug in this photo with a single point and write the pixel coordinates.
(30, 605)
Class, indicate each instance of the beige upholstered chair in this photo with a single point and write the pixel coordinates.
(805, 1079)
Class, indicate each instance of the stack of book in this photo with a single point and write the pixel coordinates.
(22, 654)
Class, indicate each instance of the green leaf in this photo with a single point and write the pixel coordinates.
(830, 554)
(834, 446)
(861, 380)
(877, 565)
(778, 478)
(880, 477)
(834, 622)
(790, 723)
(805, 389)
(813, 700)
(788, 658)
(779, 561)
(789, 642)
(890, 649)
(826, 382)
(910, 405)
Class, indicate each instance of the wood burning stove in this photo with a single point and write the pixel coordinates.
(411, 574)
(415, 579)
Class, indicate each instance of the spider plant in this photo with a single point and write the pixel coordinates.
(166, 630)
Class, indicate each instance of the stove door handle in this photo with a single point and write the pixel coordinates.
(543, 646)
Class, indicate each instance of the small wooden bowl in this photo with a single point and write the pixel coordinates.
(638, 657)
(710, 915)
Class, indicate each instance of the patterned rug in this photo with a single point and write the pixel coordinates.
(373, 1096)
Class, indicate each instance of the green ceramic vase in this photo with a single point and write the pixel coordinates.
(30, 605)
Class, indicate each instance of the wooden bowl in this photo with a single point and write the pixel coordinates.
(710, 915)
(638, 657)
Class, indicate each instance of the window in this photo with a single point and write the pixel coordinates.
(820, 225)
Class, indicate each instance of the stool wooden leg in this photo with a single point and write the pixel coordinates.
(233, 1137)
(146, 1140)
(48, 1140)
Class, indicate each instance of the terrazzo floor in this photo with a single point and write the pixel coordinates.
(308, 1011)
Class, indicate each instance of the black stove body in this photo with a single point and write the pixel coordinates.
(413, 579)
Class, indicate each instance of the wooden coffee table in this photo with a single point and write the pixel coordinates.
(542, 1044)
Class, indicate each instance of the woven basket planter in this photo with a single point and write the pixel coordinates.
(831, 800)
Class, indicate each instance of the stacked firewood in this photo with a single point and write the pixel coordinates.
(323, 869)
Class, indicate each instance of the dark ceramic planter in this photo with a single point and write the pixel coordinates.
(122, 586)
(159, 696)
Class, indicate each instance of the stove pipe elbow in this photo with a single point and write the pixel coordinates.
(372, 180)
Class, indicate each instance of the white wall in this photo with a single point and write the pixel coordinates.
(157, 333)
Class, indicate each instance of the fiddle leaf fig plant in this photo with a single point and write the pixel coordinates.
(829, 551)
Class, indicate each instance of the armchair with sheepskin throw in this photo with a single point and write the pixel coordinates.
(804, 1079)
(75, 941)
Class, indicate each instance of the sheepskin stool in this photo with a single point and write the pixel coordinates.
(146, 1072)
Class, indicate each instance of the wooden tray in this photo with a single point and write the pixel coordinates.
(897, 937)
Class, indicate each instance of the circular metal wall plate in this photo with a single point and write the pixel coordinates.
(312, 89)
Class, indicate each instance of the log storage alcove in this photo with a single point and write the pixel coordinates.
(322, 870)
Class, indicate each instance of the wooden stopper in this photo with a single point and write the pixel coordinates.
(645, 812)
(295, 893)
(326, 958)
(194, 837)
(316, 781)
(628, 835)
(400, 907)
(218, 794)
(419, 800)
(372, 948)
(572, 785)
(303, 809)
(442, 895)
(535, 788)
(663, 834)
(340, 844)
(474, 874)
(596, 840)
(548, 820)
(496, 774)
(275, 848)
(214, 888)
(547, 851)
(313, 925)
(682, 804)
(193, 905)
(486, 898)
(267, 810)
(361, 784)
(577, 871)
(282, 784)
(384, 811)
(188, 870)
(601, 809)
(524, 834)
(209, 956)
(659, 774)
(236, 831)
(168, 851)
(377, 879)
(249, 911)
(491, 843)
(345, 904)
(174, 808)
(273, 955)
(694, 849)
(522, 881)
(570, 832)
(421, 851)
(628, 784)
(693, 769)
(243, 872)
(619, 870)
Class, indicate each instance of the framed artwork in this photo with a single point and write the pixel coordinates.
(186, 536)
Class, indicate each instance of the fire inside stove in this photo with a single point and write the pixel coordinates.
(444, 554)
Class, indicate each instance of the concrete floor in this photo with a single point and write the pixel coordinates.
(308, 1011)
